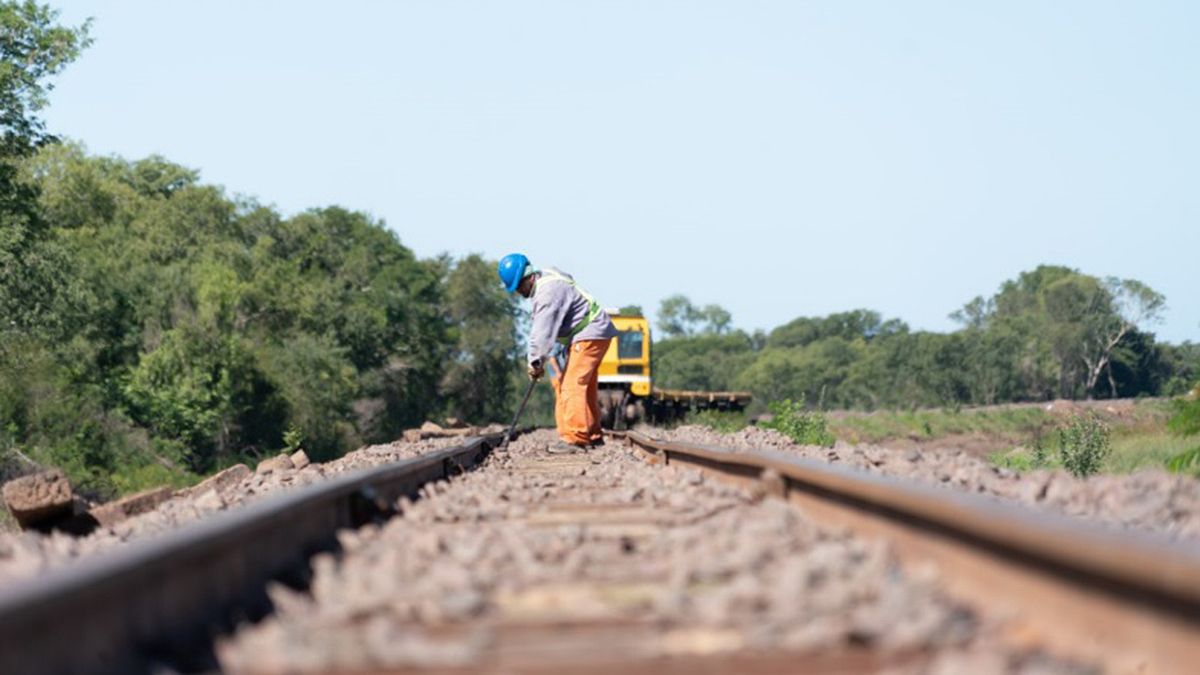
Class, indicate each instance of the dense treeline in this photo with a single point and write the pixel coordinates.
(188, 328)
(1053, 332)
(154, 327)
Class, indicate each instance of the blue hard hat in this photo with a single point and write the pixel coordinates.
(511, 269)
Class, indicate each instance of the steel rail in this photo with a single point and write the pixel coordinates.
(1128, 599)
(161, 599)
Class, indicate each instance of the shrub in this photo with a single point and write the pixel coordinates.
(802, 426)
(1084, 444)
(1187, 461)
(1186, 422)
(292, 440)
(1041, 455)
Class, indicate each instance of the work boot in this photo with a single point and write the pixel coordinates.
(564, 448)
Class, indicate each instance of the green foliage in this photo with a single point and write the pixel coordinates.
(1133, 449)
(1016, 424)
(1084, 444)
(478, 380)
(1186, 418)
(701, 362)
(817, 374)
(309, 388)
(724, 421)
(293, 438)
(1041, 454)
(805, 427)
(1187, 461)
(178, 330)
(187, 388)
(855, 324)
(678, 317)
(1185, 423)
(1180, 365)
(1052, 332)
(32, 49)
(1070, 326)
(1014, 460)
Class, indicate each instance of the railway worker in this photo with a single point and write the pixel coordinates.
(564, 313)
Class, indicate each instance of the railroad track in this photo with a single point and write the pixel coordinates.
(1127, 601)
(159, 601)
(534, 563)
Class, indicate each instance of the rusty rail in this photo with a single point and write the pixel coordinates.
(1128, 599)
(158, 600)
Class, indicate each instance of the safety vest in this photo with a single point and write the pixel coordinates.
(550, 276)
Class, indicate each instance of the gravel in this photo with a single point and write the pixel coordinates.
(27, 554)
(1149, 500)
(696, 566)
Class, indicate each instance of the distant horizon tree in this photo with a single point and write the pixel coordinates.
(678, 317)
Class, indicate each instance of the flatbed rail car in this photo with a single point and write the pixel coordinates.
(627, 391)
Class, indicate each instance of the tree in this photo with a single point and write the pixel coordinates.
(477, 383)
(815, 374)
(33, 49)
(1069, 325)
(1132, 303)
(678, 317)
(204, 329)
(716, 319)
(856, 324)
(705, 362)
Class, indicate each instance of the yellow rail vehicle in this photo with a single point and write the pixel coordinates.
(627, 394)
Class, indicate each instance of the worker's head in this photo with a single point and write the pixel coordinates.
(514, 269)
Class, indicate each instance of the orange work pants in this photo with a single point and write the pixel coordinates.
(576, 404)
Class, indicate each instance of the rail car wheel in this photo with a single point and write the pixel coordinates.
(635, 411)
(611, 407)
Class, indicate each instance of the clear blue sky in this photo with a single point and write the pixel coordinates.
(778, 158)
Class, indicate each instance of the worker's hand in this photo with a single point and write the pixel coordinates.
(536, 370)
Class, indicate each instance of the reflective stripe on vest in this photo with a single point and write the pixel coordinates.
(593, 306)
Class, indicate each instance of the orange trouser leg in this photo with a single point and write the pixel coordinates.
(577, 410)
(593, 402)
(556, 383)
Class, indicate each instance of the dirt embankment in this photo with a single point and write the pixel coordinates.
(983, 430)
(1151, 500)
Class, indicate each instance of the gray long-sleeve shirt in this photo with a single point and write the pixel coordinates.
(558, 308)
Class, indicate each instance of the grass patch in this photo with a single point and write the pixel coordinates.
(1130, 452)
(1139, 438)
(146, 476)
(1187, 461)
(724, 421)
(1018, 422)
(1144, 451)
(879, 426)
(1017, 459)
